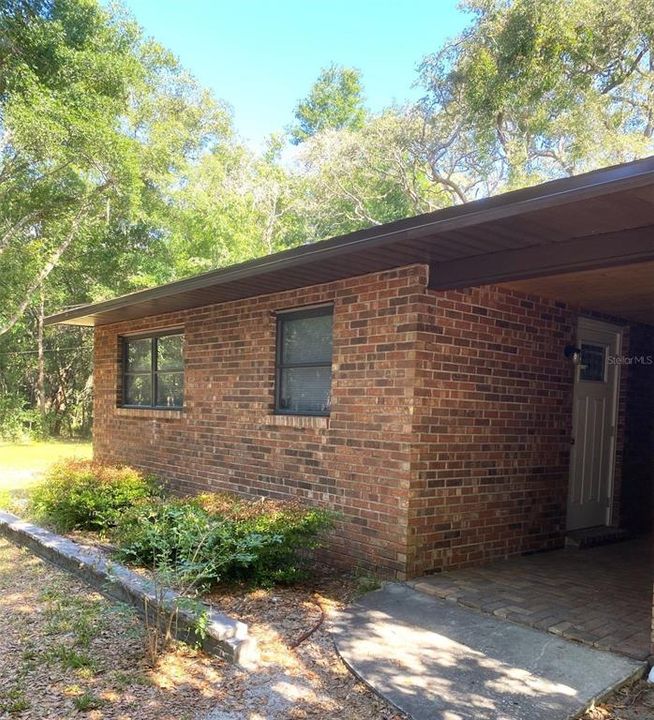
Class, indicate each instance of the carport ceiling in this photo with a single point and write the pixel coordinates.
(626, 291)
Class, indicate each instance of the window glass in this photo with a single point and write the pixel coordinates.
(154, 371)
(139, 355)
(138, 390)
(170, 389)
(169, 352)
(307, 340)
(591, 367)
(306, 389)
(304, 362)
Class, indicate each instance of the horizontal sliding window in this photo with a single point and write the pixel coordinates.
(153, 371)
(304, 362)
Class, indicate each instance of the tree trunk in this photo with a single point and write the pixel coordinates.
(40, 382)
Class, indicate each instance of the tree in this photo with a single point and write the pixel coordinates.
(544, 88)
(96, 127)
(335, 102)
(118, 172)
(94, 123)
(232, 206)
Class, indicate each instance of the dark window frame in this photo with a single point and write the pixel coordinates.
(152, 373)
(280, 365)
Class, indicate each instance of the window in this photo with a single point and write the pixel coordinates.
(153, 371)
(304, 362)
(593, 361)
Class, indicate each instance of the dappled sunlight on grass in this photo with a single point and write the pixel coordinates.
(21, 462)
(77, 652)
(80, 652)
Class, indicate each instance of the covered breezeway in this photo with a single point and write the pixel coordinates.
(598, 590)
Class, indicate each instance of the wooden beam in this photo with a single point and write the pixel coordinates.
(586, 253)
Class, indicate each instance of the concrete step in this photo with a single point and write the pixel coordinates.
(592, 537)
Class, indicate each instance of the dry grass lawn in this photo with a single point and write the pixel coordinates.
(66, 651)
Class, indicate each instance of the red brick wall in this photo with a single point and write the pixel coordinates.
(226, 438)
(448, 441)
(492, 427)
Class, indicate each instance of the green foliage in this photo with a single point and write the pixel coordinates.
(289, 528)
(87, 701)
(13, 700)
(334, 102)
(219, 538)
(67, 384)
(119, 172)
(97, 124)
(18, 422)
(545, 88)
(70, 658)
(83, 495)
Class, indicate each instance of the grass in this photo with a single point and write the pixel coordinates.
(68, 652)
(70, 659)
(13, 701)
(21, 464)
(35, 457)
(87, 701)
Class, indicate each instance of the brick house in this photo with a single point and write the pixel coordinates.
(462, 386)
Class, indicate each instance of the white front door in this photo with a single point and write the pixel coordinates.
(592, 456)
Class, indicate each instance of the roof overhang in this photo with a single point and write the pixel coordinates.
(600, 219)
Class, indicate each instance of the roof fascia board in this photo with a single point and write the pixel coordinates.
(556, 192)
(586, 253)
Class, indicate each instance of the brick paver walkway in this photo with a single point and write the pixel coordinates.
(600, 596)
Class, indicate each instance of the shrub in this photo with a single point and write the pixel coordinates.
(83, 495)
(213, 538)
(296, 528)
(17, 422)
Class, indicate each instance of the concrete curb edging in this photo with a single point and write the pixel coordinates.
(225, 637)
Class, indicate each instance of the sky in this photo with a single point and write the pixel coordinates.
(262, 56)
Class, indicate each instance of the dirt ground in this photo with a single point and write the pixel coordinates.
(630, 703)
(65, 652)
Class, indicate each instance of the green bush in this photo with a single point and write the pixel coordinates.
(214, 538)
(292, 529)
(17, 422)
(83, 495)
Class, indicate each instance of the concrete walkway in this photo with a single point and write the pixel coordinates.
(436, 660)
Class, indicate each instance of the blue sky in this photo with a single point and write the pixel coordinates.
(262, 56)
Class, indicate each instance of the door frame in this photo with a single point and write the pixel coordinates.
(589, 323)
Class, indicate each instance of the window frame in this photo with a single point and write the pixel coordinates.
(280, 366)
(153, 372)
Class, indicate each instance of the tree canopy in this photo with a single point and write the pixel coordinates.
(335, 102)
(118, 171)
(549, 87)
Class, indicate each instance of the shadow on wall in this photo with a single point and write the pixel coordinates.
(638, 464)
